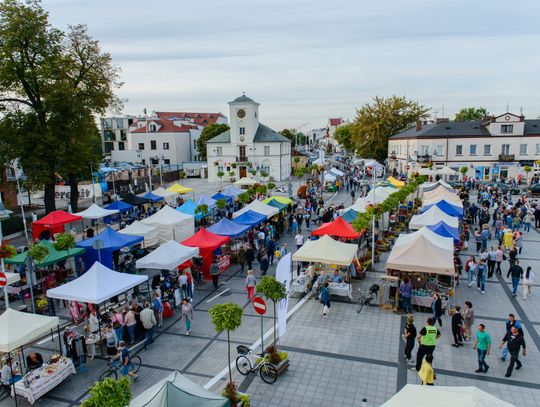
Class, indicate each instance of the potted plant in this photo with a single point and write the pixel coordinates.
(221, 204)
(64, 242)
(253, 172)
(7, 250)
(271, 186)
(216, 163)
(182, 174)
(109, 392)
(227, 317)
(202, 209)
(233, 165)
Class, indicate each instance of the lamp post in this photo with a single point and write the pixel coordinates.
(92, 181)
(150, 174)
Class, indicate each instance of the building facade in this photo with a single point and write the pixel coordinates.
(114, 132)
(248, 146)
(492, 148)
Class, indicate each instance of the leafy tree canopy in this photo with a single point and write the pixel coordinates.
(294, 136)
(109, 392)
(344, 136)
(471, 113)
(208, 133)
(226, 317)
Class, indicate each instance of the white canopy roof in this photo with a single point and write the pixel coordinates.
(444, 396)
(19, 328)
(171, 224)
(169, 196)
(167, 256)
(359, 205)
(448, 198)
(96, 212)
(150, 233)
(426, 171)
(379, 194)
(329, 177)
(432, 216)
(442, 193)
(446, 170)
(411, 251)
(245, 181)
(257, 206)
(337, 172)
(326, 250)
(96, 285)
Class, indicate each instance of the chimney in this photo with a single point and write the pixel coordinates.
(418, 125)
(440, 120)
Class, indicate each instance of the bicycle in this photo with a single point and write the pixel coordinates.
(244, 364)
(367, 297)
(114, 366)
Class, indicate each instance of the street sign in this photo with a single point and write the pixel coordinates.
(3, 280)
(259, 305)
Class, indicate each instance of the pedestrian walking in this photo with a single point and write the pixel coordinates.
(492, 260)
(299, 240)
(187, 315)
(405, 292)
(468, 319)
(250, 257)
(510, 323)
(325, 299)
(427, 341)
(426, 373)
(157, 307)
(483, 347)
(499, 257)
(241, 258)
(250, 285)
(148, 320)
(457, 324)
(410, 336)
(214, 272)
(516, 272)
(527, 283)
(514, 342)
(470, 269)
(436, 308)
(264, 263)
(481, 272)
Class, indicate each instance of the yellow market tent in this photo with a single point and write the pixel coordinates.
(179, 189)
(395, 182)
(281, 199)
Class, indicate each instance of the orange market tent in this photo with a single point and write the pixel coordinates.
(208, 243)
(337, 228)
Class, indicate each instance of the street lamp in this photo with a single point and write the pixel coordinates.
(92, 181)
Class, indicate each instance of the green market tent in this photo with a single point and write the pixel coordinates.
(53, 257)
(178, 390)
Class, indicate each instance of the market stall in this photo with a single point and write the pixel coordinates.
(232, 191)
(151, 197)
(432, 197)
(442, 229)
(168, 196)
(359, 206)
(430, 186)
(246, 182)
(52, 223)
(149, 233)
(250, 218)
(188, 208)
(396, 183)
(11, 278)
(120, 206)
(337, 228)
(446, 207)
(219, 195)
(95, 212)
(432, 216)
(134, 200)
(171, 224)
(54, 256)
(278, 205)
(179, 189)
(225, 227)
(168, 256)
(379, 194)
(281, 199)
(206, 200)
(350, 215)
(209, 245)
(336, 172)
(257, 206)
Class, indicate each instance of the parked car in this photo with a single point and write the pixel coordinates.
(504, 188)
(535, 189)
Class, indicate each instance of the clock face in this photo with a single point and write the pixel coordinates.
(242, 138)
(241, 113)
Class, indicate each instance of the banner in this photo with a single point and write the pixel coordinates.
(62, 194)
(283, 275)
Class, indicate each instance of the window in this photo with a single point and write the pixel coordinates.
(537, 150)
(505, 149)
(219, 151)
(424, 150)
(242, 131)
(220, 168)
(266, 150)
(119, 123)
(165, 146)
(439, 149)
(107, 123)
(195, 144)
(459, 150)
(487, 149)
(121, 145)
(141, 146)
(523, 149)
(472, 149)
(153, 145)
(166, 161)
(152, 128)
(507, 128)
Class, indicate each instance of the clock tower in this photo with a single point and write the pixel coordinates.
(244, 121)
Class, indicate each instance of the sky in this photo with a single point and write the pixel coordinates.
(307, 60)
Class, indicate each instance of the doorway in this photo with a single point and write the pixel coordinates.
(243, 172)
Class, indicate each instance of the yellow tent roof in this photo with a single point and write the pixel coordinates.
(179, 189)
(281, 199)
(395, 182)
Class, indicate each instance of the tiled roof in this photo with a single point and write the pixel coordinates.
(202, 119)
(264, 134)
(336, 121)
(164, 126)
(243, 99)
(224, 137)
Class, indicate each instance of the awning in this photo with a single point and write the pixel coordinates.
(446, 207)
(326, 250)
(54, 222)
(442, 229)
(149, 233)
(96, 212)
(431, 217)
(337, 228)
(206, 200)
(169, 196)
(19, 328)
(349, 216)
(250, 218)
(206, 240)
(188, 208)
(395, 182)
(179, 189)
(225, 227)
(219, 196)
(53, 257)
(168, 256)
(257, 206)
(280, 199)
(151, 197)
(121, 206)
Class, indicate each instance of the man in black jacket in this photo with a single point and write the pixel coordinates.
(514, 341)
(517, 272)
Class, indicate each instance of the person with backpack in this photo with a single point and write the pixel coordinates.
(157, 307)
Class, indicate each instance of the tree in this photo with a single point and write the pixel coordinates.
(221, 204)
(201, 209)
(182, 174)
(274, 291)
(243, 198)
(294, 136)
(38, 253)
(208, 133)
(109, 392)
(471, 113)
(52, 84)
(64, 242)
(344, 136)
(375, 122)
(463, 170)
(527, 169)
(226, 317)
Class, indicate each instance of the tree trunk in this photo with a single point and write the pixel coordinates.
(48, 197)
(73, 193)
(275, 341)
(229, 354)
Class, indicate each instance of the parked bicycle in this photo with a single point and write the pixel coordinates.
(114, 366)
(247, 363)
(367, 297)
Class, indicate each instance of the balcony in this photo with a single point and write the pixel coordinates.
(241, 159)
(424, 158)
(506, 157)
(392, 155)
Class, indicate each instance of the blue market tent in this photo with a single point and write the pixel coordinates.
(447, 208)
(206, 200)
(120, 206)
(250, 218)
(225, 227)
(112, 241)
(350, 215)
(442, 229)
(188, 208)
(232, 191)
(152, 197)
(219, 196)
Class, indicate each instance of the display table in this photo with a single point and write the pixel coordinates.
(40, 381)
(425, 302)
(339, 289)
(299, 284)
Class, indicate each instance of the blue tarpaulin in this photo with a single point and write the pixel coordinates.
(250, 218)
(152, 197)
(447, 208)
(219, 196)
(350, 215)
(120, 206)
(225, 227)
(442, 229)
(276, 204)
(188, 208)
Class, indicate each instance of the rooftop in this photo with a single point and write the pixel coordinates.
(202, 119)
(264, 134)
(243, 99)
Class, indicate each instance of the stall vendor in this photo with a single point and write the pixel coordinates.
(34, 360)
(336, 278)
(9, 373)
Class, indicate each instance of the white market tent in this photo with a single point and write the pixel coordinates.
(168, 196)
(150, 233)
(329, 177)
(442, 193)
(97, 285)
(455, 201)
(379, 194)
(336, 172)
(326, 250)
(178, 390)
(359, 205)
(444, 396)
(171, 224)
(432, 216)
(446, 170)
(426, 171)
(245, 181)
(19, 328)
(429, 186)
(411, 251)
(167, 256)
(96, 212)
(257, 206)
(11, 278)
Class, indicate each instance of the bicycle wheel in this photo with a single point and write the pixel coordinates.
(360, 304)
(243, 364)
(112, 373)
(136, 362)
(268, 373)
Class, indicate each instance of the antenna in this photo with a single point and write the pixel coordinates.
(443, 112)
(521, 110)
(507, 107)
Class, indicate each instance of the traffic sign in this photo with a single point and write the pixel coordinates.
(259, 305)
(3, 281)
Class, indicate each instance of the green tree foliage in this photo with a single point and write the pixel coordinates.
(109, 392)
(52, 84)
(375, 122)
(272, 290)
(294, 136)
(471, 113)
(208, 133)
(38, 252)
(221, 204)
(202, 209)
(344, 136)
(226, 317)
(64, 242)
(244, 198)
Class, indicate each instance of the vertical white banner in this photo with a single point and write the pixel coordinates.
(283, 275)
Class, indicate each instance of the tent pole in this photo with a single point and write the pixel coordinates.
(13, 381)
(99, 325)
(148, 288)
(82, 226)
(23, 359)
(59, 341)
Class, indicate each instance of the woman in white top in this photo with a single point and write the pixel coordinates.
(528, 280)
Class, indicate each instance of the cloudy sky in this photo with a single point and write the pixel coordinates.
(307, 60)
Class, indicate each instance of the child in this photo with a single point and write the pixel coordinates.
(426, 373)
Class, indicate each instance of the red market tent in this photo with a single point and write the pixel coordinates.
(337, 228)
(207, 242)
(54, 222)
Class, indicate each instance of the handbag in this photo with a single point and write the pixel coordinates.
(504, 256)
